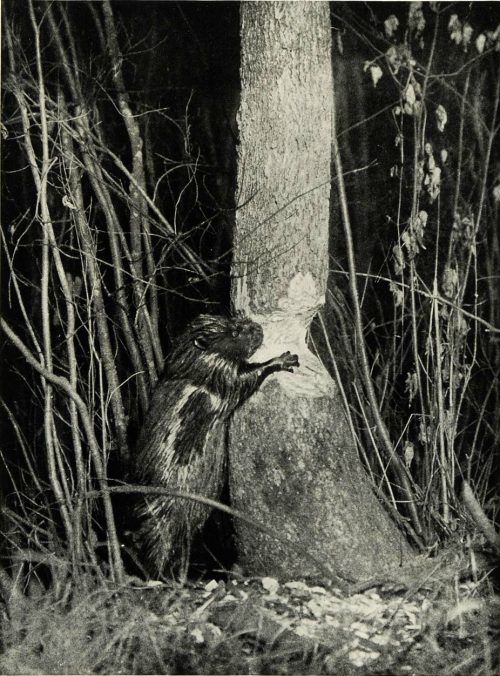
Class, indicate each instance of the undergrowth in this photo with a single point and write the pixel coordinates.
(250, 627)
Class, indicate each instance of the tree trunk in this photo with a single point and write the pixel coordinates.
(293, 464)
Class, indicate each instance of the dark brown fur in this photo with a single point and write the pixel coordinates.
(181, 444)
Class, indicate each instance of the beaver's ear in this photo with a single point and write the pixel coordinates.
(201, 343)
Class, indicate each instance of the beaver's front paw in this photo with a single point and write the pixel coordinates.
(288, 361)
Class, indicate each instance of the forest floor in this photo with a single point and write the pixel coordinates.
(446, 623)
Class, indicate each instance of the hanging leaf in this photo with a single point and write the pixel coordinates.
(339, 43)
(399, 259)
(391, 25)
(397, 293)
(435, 183)
(409, 95)
(416, 21)
(399, 55)
(467, 34)
(409, 453)
(449, 282)
(425, 433)
(480, 42)
(410, 242)
(376, 73)
(417, 227)
(442, 118)
(411, 385)
(455, 28)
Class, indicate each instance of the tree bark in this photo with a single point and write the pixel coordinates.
(292, 461)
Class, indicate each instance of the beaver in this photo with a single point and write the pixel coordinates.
(181, 445)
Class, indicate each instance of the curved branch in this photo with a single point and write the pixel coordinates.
(66, 386)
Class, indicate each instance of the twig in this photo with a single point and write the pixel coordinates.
(395, 460)
(66, 386)
(340, 580)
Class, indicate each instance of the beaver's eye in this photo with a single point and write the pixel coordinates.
(235, 333)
